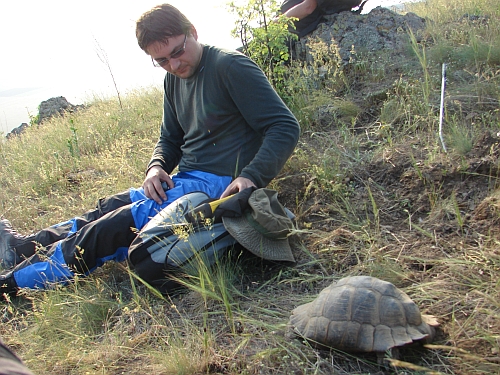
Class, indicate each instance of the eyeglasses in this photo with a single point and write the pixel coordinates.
(174, 55)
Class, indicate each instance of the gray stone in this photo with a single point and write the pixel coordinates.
(17, 131)
(55, 106)
(348, 32)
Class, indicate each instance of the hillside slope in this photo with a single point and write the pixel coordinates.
(373, 189)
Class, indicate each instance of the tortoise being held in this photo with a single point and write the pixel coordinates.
(362, 314)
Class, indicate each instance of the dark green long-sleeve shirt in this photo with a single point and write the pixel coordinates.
(226, 120)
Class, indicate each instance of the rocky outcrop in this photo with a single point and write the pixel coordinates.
(17, 131)
(55, 106)
(47, 109)
(348, 32)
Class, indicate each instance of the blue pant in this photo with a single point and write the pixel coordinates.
(105, 233)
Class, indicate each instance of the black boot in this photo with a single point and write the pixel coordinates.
(14, 247)
(9, 240)
(8, 286)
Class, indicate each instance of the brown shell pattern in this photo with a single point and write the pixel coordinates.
(361, 314)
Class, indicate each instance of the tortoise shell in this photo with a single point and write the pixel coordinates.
(362, 314)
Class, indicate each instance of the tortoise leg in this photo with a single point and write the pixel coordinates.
(380, 358)
(383, 358)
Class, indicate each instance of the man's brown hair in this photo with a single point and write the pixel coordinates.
(159, 24)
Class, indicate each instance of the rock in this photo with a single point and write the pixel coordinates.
(47, 109)
(55, 106)
(17, 131)
(345, 32)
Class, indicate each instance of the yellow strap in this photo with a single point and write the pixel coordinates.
(215, 204)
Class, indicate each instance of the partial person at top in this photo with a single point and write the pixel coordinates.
(310, 13)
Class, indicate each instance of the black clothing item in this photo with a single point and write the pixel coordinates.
(309, 23)
(11, 367)
(10, 364)
(98, 239)
(108, 227)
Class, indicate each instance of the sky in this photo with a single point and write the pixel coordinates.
(50, 48)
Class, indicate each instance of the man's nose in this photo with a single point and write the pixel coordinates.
(174, 64)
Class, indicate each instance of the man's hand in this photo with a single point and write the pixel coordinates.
(152, 184)
(239, 184)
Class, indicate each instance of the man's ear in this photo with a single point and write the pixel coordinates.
(194, 33)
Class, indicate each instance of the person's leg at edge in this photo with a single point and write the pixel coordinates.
(14, 247)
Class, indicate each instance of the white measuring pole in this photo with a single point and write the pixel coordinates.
(441, 109)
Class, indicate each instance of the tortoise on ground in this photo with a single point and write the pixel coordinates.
(362, 314)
